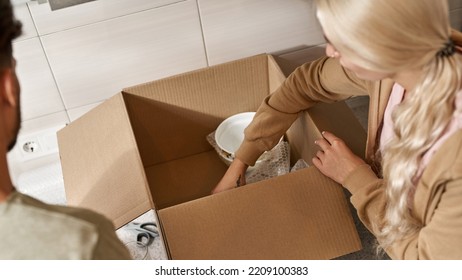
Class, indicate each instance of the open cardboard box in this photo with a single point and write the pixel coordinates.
(145, 149)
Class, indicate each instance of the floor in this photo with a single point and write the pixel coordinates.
(72, 59)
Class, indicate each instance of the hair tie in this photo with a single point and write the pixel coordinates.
(448, 50)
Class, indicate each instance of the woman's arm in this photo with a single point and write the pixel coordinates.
(323, 80)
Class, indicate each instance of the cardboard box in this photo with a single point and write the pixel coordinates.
(145, 148)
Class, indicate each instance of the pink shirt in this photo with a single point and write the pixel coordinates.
(396, 96)
(455, 124)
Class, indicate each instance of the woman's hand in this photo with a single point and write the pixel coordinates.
(335, 159)
(234, 177)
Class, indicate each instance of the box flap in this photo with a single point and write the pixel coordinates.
(336, 118)
(101, 165)
(339, 119)
(275, 74)
(302, 215)
(165, 132)
(220, 91)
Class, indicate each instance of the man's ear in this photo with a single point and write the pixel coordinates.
(8, 87)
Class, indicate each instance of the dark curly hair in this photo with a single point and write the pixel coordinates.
(10, 28)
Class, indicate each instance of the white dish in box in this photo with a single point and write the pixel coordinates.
(230, 133)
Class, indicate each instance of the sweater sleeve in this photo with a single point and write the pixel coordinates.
(367, 195)
(440, 236)
(323, 80)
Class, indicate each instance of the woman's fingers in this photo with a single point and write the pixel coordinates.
(323, 144)
(335, 159)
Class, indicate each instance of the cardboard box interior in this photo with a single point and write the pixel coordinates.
(146, 148)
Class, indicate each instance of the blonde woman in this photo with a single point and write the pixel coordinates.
(404, 55)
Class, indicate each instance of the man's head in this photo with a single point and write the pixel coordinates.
(10, 114)
(10, 28)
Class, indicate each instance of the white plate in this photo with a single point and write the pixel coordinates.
(230, 133)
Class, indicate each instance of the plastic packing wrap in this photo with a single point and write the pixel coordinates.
(275, 162)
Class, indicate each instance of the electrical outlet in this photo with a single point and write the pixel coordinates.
(39, 144)
(31, 147)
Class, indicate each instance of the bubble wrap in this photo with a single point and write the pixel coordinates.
(271, 164)
(300, 164)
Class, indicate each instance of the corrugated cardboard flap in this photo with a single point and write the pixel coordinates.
(220, 90)
(303, 215)
(101, 164)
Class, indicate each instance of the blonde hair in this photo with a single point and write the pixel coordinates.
(390, 36)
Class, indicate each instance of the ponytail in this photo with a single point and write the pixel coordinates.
(419, 121)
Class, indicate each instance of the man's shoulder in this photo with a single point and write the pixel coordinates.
(23, 203)
(32, 229)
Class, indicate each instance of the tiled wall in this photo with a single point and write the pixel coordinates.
(72, 59)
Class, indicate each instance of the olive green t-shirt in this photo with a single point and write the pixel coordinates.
(31, 229)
